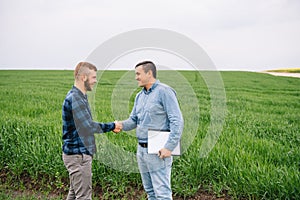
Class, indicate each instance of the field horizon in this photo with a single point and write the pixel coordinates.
(283, 70)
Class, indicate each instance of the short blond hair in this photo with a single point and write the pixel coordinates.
(81, 69)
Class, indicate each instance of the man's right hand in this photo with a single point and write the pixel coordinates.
(118, 127)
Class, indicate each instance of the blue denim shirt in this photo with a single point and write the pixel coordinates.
(156, 108)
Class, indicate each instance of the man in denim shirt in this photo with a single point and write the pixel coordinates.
(155, 107)
(78, 132)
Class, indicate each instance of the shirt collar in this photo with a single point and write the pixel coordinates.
(152, 87)
(75, 89)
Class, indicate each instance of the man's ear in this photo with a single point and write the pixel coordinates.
(84, 77)
(150, 73)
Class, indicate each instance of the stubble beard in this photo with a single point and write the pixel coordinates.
(87, 86)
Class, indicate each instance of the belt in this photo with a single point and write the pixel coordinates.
(144, 145)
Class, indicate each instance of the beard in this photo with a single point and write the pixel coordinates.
(87, 86)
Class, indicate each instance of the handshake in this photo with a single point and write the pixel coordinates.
(118, 127)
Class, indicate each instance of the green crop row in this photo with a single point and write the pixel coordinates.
(256, 154)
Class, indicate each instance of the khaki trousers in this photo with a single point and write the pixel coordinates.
(80, 174)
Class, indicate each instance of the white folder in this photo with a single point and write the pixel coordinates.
(157, 140)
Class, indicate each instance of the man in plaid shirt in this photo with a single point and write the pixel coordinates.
(78, 132)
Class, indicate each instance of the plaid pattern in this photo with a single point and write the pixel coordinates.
(78, 125)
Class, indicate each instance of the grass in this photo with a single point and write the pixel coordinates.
(255, 157)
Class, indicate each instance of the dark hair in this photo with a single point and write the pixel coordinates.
(82, 67)
(148, 65)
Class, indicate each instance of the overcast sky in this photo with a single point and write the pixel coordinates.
(249, 35)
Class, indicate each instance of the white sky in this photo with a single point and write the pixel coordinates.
(249, 35)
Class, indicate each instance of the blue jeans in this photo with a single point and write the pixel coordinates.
(156, 174)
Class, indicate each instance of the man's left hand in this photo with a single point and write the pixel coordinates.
(164, 153)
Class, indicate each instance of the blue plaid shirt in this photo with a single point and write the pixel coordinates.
(78, 125)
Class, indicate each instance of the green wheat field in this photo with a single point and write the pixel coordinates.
(257, 155)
